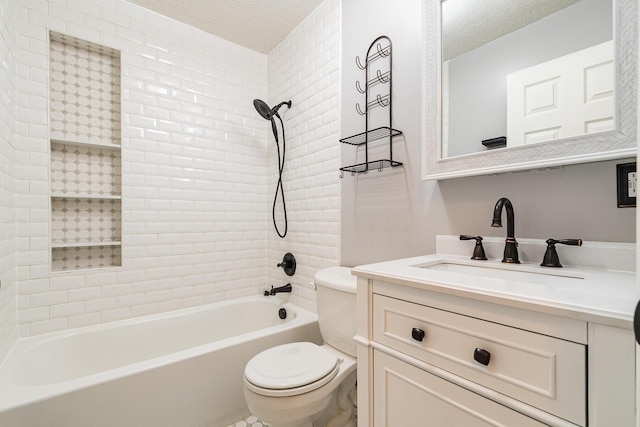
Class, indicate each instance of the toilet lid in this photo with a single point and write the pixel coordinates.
(290, 365)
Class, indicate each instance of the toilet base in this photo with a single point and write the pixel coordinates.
(336, 409)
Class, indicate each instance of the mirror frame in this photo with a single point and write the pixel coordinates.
(615, 144)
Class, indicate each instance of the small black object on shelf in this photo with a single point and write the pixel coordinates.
(498, 142)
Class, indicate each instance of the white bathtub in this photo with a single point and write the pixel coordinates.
(182, 368)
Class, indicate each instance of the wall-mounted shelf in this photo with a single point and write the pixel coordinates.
(378, 165)
(60, 195)
(85, 245)
(86, 144)
(85, 141)
(371, 135)
(378, 92)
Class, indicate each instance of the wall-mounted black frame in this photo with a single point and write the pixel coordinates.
(622, 173)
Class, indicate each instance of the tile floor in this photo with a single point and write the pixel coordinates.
(250, 421)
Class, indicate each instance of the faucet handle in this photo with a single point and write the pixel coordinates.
(478, 250)
(551, 258)
(288, 264)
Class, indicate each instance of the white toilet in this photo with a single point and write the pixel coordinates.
(302, 384)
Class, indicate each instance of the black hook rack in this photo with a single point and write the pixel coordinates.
(380, 75)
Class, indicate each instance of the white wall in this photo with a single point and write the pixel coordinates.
(304, 68)
(8, 329)
(193, 151)
(394, 214)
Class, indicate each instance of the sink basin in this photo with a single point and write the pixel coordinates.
(512, 272)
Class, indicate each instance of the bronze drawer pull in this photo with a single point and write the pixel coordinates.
(417, 334)
(482, 356)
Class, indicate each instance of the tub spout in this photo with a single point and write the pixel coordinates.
(273, 291)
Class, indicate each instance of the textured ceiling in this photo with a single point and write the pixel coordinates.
(256, 24)
(467, 24)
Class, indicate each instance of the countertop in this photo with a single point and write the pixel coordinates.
(597, 295)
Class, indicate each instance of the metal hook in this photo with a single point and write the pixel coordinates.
(359, 64)
(383, 52)
(359, 88)
(382, 100)
(383, 78)
(359, 110)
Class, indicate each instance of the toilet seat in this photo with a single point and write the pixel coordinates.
(291, 369)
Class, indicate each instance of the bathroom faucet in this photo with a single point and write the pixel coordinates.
(273, 291)
(511, 245)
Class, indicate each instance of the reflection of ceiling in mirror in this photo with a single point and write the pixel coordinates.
(468, 24)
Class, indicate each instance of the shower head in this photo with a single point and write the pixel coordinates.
(266, 112)
(262, 108)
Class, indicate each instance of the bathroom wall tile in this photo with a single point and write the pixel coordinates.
(196, 187)
(68, 309)
(85, 319)
(115, 314)
(48, 298)
(298, 70)
(46, 326)
(33, 314)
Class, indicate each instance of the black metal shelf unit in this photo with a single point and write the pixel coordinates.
(380, 49)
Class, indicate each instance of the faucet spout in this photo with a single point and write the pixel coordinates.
(511, 245)
(273, 291)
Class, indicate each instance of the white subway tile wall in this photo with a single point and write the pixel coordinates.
(198, 165)
(304, 68)
(8, 329)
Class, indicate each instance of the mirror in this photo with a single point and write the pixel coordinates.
(497, 92)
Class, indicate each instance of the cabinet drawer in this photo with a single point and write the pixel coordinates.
(544, 372)
(407, 396)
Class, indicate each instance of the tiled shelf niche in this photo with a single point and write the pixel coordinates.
(86, 207)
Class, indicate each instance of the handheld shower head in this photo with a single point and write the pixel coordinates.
(266, 112)
(262, 108)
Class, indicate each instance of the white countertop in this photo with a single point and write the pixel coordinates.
(592, 294)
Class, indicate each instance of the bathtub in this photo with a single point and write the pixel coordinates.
(182, 368)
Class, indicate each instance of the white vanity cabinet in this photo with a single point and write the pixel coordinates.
(433, 355)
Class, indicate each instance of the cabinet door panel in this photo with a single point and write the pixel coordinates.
(407, 396)
(541, 371)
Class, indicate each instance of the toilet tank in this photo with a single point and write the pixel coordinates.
(336, 302)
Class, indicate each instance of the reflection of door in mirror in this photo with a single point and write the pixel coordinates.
(474, 90)
(567, 96)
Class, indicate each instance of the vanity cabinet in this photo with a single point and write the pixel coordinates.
(433, 356)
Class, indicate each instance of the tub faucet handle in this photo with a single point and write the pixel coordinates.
(478, 250)
(551, 258)
(288, 264)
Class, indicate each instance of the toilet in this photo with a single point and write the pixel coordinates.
(302, 384)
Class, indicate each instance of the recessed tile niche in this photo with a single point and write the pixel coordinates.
(86, 209)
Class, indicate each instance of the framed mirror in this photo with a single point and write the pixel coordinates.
(549, 83)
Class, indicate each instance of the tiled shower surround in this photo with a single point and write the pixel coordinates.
(8, 330)
(198, 167)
